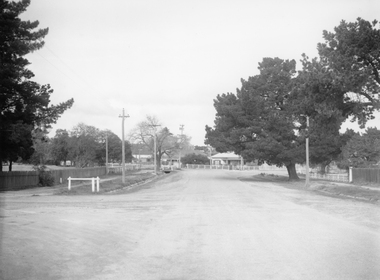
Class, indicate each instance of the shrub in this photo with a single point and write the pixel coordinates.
(45, 177)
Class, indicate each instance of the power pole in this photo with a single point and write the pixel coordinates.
(107, 152)
(122, 147)
(180, 148)
(155, 147)
(307, 183)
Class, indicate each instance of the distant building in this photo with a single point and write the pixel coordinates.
(143, 158)
(226, 158)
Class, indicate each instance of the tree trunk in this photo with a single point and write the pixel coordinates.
(10, 165)
(323, 166)
(292, 172)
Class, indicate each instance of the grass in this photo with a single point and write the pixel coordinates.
(108, 184)
(370, 193)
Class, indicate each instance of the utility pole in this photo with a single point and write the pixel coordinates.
(307, 183)
(107, 152)
(155, 147)
(181, 127)
(123, 146)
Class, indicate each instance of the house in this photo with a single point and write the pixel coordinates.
(143, 158)
(226, 158)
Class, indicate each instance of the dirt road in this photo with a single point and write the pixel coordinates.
(191, 225)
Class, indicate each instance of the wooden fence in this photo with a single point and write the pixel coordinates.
(61, 175)
(331, 177)
(119, 170)
(18, 179)
(21, 179)
(234, 167)
(370, 175)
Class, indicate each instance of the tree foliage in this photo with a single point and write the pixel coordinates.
(266, 118)
(150, 129)
(24, 104)
(352, 55)
(258, 121)
(195, 159)
(85, 145)
(362, 150)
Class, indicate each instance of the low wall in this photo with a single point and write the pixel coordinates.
(17, 179)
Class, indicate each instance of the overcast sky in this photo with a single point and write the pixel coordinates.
(170, 58)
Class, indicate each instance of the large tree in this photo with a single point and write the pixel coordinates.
(342, 83)
(114, 148)
(24, 104)
(258, 122)
(266, 119)
(60, 147)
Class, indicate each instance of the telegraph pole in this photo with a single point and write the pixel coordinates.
(180, 148)
(307, 183)
(107, 152)
(123, 146)
(155, 147)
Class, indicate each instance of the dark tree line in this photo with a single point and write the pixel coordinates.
(266, 120)
(82, 146)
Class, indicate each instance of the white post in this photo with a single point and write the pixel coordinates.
(350, 175)
(97, 184)
(93, 184)
(69, 179)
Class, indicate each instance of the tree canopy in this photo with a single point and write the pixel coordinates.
(195, 159)
(85, 145)
(362, 150)
(266, 118)
(24, 104)
(167, 143)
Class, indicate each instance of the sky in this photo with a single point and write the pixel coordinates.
(171, 58)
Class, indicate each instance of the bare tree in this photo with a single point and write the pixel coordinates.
(146, 131)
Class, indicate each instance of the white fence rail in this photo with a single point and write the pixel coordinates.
(331, 177)
(234, 167)
(85, 179)
(117, 169)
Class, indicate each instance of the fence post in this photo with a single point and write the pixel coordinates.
(350, 175)
(69, 179)
(93, 184)
(97, 184)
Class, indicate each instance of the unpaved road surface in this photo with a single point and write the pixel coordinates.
(191, 225)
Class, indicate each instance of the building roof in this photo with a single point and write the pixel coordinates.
(229, 156)
(142, 156)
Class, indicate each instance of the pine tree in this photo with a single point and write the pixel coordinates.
(24, 104)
